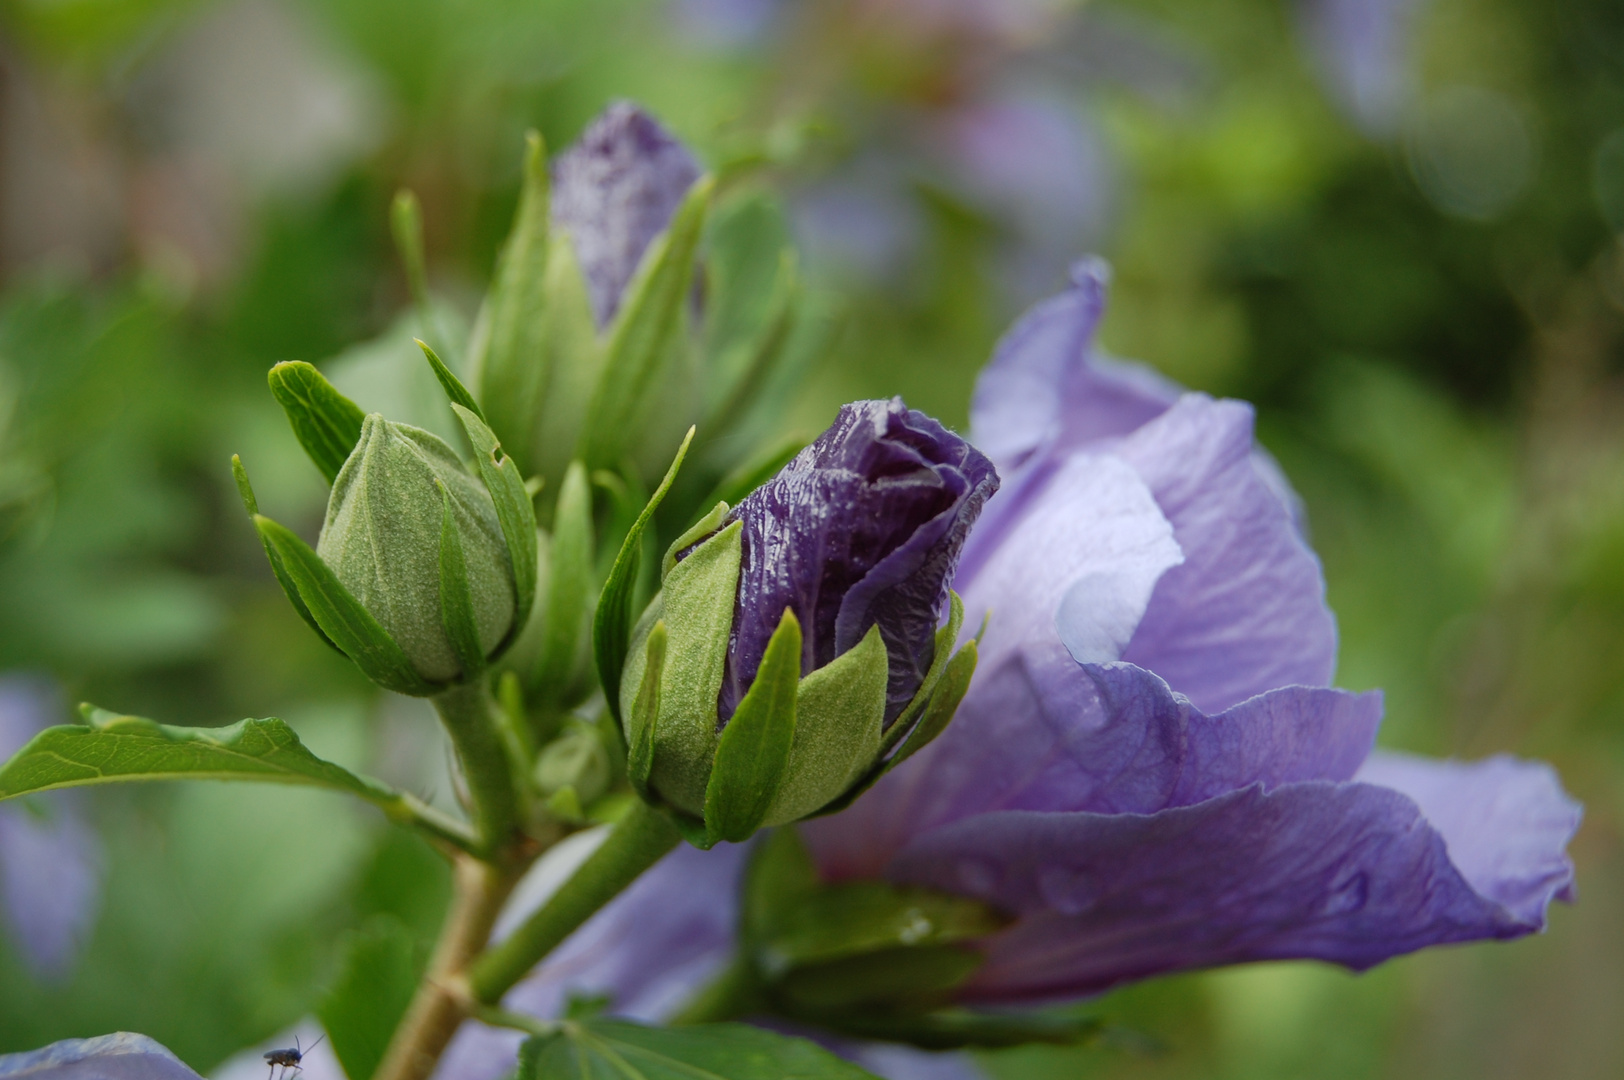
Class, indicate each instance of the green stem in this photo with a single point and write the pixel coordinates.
(469, 717)
(641, 839)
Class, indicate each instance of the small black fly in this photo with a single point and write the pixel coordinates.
(289, 1059)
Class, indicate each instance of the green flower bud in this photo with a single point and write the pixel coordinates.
(576, 759)
(383, 539)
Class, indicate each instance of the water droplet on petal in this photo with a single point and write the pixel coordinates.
(1067, 889)
(1349, 894)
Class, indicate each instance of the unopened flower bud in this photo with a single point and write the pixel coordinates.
(576, 759)
(382, 538)
(845, 557)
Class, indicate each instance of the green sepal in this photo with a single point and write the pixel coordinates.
(514, 511)
(455, 392)
(697, 607)
(753, 753)
(910, 977)
(944, 703)
(567, 614)
(340, 615)
(646, 711)
(603, 1049)
(612, 623)
(456, 598)
(574, 358)
(692, 829)
(290, 590)
(641, 337)
(326, 423)
(839, 719)
(700, 529)
(507, 353)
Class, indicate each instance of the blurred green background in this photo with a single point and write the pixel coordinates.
(1397, 226)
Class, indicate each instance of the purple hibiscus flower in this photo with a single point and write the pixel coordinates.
(1150, 772)
(50, 860)
(863, 527)
(614, 191)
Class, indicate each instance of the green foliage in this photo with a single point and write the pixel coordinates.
(617, 1050)
(327, 424)
(376, 979)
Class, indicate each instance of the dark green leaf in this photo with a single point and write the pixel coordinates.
(374, 987)
(642, 335)
(612, 624)
(858, 917)
(110, 748)
(513, 509)
(326, 423)
(456, 596)
(753, 752)
(340, 615)
(780, 876)
(569, 593)
(618, 1050)
(646, 710)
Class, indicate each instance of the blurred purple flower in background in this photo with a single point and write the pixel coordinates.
(1365, 53)
(122, 1054)
(614, 191)
(1150, 771)
(50, 860)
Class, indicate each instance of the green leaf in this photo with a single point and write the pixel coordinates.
(780, 875)
(454, 390)
(340, 615)
(288, 588)
(508, 353)
(456, 596)
(619, 1050)
(641, 337)
(375, 984)
(569, 593)
(514, 510)
(753, 753)
(646, 711)
(406, 226)
(110, 748)
(326, 423)
(612, 624)
(833, 922)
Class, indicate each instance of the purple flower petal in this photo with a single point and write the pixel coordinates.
(647, 950)
(1350, 873)
(1043, 387)
(120, 1056)
(895, 1062)
(614, 191)
(1125, 744)
(1506, 823)
(863, 527)
(1246, 611)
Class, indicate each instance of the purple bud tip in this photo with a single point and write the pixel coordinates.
(614, 191)
(864, 526)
